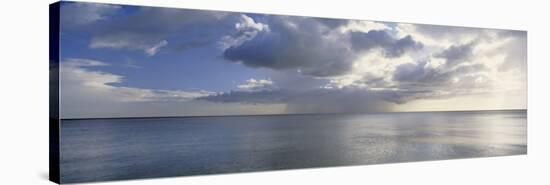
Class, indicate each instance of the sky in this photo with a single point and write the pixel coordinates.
(130, 61)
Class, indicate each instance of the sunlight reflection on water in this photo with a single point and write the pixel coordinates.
(113, 149)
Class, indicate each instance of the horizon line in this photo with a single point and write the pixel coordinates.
(289, 114)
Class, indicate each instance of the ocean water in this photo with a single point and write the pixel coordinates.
(116, 149)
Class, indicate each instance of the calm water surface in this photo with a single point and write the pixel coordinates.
(115, 149)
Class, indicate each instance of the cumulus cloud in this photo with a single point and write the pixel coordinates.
(246, 28)
(287, 46)
(313, 46)
(386, 69)
(388, 64)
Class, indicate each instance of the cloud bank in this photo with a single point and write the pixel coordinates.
(307, 65)
(89, 93)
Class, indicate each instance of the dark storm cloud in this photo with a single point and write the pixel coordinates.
(340, 101)
(315, 100)
(456, 54)
(251, 97)
(319, 100)
(390, 46)
(296, 81)
(313, 46)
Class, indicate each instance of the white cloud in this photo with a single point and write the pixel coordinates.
(82, 89)
(80, 62)
(363, 26)
(73, 74)
(149, 49)
(370, 71)
(247, 23)
(156, 48)
(86, 93)
(245, 29)
(256, 85)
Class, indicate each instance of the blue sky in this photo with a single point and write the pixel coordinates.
(124, 61)
(196, 68)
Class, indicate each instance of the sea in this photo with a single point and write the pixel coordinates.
(130, 148)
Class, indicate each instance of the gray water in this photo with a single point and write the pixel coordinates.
(116, 149)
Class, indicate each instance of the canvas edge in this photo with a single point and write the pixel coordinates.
(54, 158)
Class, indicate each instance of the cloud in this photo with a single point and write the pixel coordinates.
(295, 80)
(456, 53)
(81, 13)
(153, 50)
(363, 26)
(308, 100)
(450, 64)
(251, 92)
(340, 101)
(393, 76)
(382, 64)
(312, 101)
(416, 72)
(378, 39)
(256, 85)
(74, 74)
(313, 46)
(81, 62)
(148, 29)
(288, 46)
(249, 97)
(442, 36)
(245, 29)
(515, 47)
(422, 76)
(87, 92)
(82, 88)
(308, 65)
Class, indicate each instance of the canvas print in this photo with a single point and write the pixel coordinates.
(144, 92)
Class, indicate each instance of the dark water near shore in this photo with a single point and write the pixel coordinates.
(115, 149)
